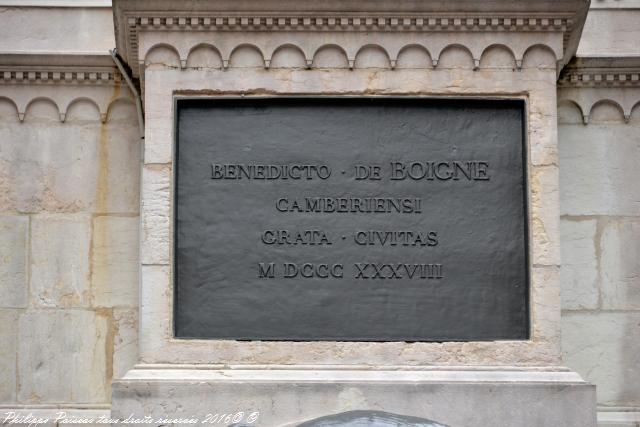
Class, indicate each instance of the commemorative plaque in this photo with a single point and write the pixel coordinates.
(350, 219)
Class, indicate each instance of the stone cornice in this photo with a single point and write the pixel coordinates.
(62, 80)
(356, 16)
(601, 72)
(57, 69)
(591, 81)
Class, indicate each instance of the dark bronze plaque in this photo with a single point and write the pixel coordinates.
(350, 219)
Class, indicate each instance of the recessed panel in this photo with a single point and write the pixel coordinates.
(350, 219)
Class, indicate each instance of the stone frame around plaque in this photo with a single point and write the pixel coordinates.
(536, 86)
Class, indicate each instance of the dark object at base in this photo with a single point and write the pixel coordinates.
(369, 419)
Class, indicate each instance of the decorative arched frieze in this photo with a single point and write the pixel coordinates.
(140, 26)
(635, 113)
(63, 105)
(10, 103)
(114, 108)
(44, 107)
(245, 55)
(288, 56)
(62, 81)
(498, 56)
(595, 83)
(81, 104)
(204, 55)
(414, 56)
(569, 112)
(539, 56)
(358, 51)
(606, 111)
(162, 55)
(372, 56)
(457, 56)
(331, 56)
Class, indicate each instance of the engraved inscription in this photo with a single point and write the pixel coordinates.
(350, 219)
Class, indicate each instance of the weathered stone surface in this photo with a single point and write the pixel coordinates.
(545, 300)
(542, 124)
(610, 32)
(125, 340)
(118, 180)
(597, 165)
(605, 349)
(155, 310)
(79, 166)
(544, 223)
(63, 357)
(14, 232)
(300, 396)
(35, 29)
(618, 417)
(60, 260)
(114, 274)
(53, 167)
(156, 210)
(579, 273)
(618, 424)
(8, 354)
(620, 264)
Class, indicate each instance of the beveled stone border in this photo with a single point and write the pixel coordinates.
(536, 86)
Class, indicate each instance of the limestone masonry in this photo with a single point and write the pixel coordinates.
(115, 219)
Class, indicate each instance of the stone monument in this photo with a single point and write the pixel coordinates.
(350, 213)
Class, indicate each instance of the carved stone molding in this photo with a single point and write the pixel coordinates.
(62, 80)
(601, 72)
(587, 83)
(195, 52)
(268, 25)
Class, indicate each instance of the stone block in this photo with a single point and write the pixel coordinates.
(118, 180)
(598, 167)
(579, 272)
(542, 123)
(8, 352)
(156, 212)
(60, 247)
(618, 417)
(289, 398)
(155, 310)
(48, 166)
(158, 141)
(620, 265)
(63, 357)
(14, 249)
(605, 349)
(545, 299)
(125, 340)
(618, 424)
(544, 215)
(114, 273)
(610, 32)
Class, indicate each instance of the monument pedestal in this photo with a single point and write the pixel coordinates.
(225, 327)
(456, 397)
